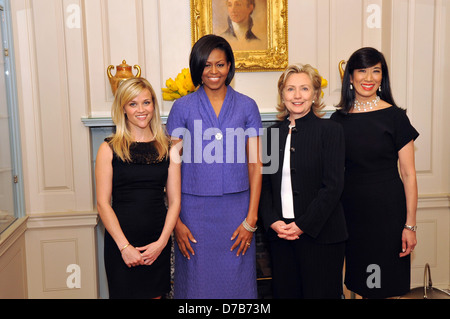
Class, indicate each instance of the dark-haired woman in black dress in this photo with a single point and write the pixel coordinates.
(379, 203)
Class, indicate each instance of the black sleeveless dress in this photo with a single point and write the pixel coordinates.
(374, 201)
(138, 200)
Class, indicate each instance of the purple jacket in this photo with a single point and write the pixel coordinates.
(214, 148)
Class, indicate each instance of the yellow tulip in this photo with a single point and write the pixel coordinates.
(191, 88)
(189, 84)
(180, 78)
(175, 95)
(185, 72)
(167, 96)
(181, 86)
(171, 85)
(182, 91)
(324, 82)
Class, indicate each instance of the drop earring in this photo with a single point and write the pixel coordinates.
(379, 88)
(351, 86)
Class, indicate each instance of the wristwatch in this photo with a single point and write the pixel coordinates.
(413, 228)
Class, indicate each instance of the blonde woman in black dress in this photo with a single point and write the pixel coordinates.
(133, 168)
(379, 203)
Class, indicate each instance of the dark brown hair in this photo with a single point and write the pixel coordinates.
(200, 54)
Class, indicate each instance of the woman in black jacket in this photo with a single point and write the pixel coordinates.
(300, 205)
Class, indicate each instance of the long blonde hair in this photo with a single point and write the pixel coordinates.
(122, 139)
(316, 81)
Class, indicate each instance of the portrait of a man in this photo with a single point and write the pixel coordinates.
(257, 30)
(243, 23)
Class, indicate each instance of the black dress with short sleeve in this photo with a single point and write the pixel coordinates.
(374, 201)
(138, 200)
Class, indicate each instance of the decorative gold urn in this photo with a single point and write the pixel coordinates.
(342, 69)
(123, 72)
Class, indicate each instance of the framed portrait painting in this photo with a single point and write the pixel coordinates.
(255, 29)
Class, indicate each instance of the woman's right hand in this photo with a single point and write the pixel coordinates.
(284, 231)
(132, 257)
(184, 237)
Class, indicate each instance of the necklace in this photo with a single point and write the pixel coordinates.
(366, 106)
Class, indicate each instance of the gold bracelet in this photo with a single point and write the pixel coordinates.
(124, 247)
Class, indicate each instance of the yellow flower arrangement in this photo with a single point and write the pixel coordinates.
(181, 86)
(324, 83)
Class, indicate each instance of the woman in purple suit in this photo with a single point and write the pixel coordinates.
(221, 179)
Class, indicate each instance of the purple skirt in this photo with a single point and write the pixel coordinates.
(215, 272)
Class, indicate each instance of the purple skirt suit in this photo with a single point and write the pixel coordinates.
(215, 194)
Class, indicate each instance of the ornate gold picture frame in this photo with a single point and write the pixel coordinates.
(266, 49)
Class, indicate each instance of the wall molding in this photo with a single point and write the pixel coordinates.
(433, 201)
(61, 220)
(107, 121)
(54, 243)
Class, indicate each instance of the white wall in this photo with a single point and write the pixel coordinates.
(157, 36)
(63, 48)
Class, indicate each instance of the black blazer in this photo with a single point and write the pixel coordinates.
(317, 175)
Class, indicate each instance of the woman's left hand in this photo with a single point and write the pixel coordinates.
(151, 252)
(291, 232)
(243, 241)
(409, 242)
